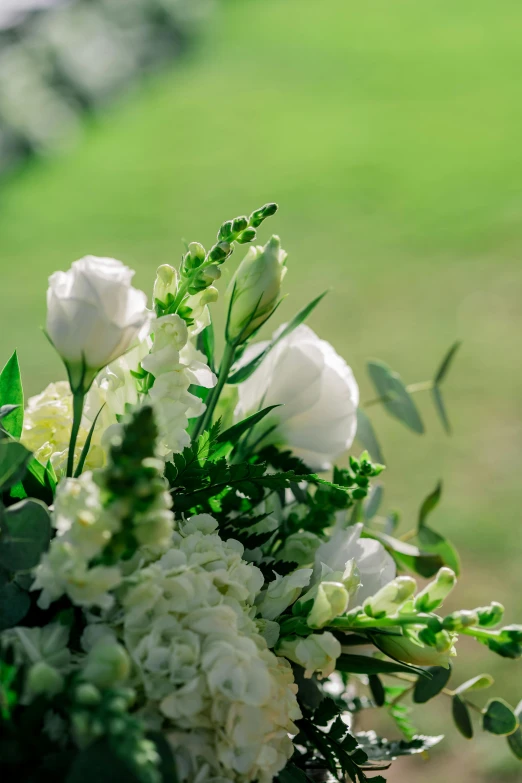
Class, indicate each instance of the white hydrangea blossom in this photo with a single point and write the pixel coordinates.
(231, 702)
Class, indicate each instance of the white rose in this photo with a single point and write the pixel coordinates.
(317, 392)
(93, 315)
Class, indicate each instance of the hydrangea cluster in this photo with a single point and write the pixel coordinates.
(230, 701)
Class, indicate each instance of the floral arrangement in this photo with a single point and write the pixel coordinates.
(191, 590)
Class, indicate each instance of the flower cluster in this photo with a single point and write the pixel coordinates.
(181, 596)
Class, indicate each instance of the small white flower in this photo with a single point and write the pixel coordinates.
(317, 393)
(282, 592)
(315, 653)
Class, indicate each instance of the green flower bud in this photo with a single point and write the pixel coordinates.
(107, 664)
(435, 592)
(442, 640)
(390, 598)
(226, 232)
(489, 616)
(256, 289)
(166, 283)
(219, 252)
(412, 651)
(257, 217)
(44, 680)
(330, 601)
(87, 695)
(205, 278)
(248, 235)
(195, 256)
(240, 223)
(459, 620)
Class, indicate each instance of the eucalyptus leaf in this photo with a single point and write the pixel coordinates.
(429, 503)
(14, 459)
(25, 533)
(476, 683)
(367, 438)
(40, 481)
(499, 718)
(436, 544)
(244, 372)
(14, 605)
(377, 690)
(440, 407)
(11, 393)
(462, 717)
(426, 689)
(374, 502)
(446, 363)
(515, 739)
(394, 395)
(408, 555)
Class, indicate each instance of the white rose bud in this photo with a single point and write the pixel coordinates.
(317, 393)
(94, 315)
(256, 289)
(390, 598)
(316, 653)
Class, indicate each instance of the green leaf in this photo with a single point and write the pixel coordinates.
(499, 718)
(407, 555)
(14, 459)
(426, 689)
(292, 774)
(247, 370)
(436, 544)
(25, 532)
(462, 717)
(430, 503)
(364, 664)
(206, 344)
(395, 397)
(168, 771)
(476, 683)
(5, 410)
(87, 445)
(366, 436)
(98, 762)
(40, 481)
(14, 605)
(373, 503)
(377, 690)
(440, 407)
(515, 739)
(446, 362)
(11, 393)
(230, 437)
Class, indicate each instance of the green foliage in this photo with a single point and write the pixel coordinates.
(427, 688)
(367, 437)
(364, 664)
(394, 395)
(25, 532)
(499, 718)
(11, 393)
(461, 717)
(432, 541)
(515, 739)
(437, 381)
(14, 605)
(14, 459)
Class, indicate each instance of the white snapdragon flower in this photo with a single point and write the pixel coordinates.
(186, 623)
(315, 653)
(47, 429)
(94, 315)
(317, 393)
(282, 592)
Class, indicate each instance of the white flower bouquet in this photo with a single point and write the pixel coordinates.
(191, 590)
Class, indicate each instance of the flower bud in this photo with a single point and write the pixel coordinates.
(205, 278)
(257, 217)
(219, 252)
(411, 651)
(256, 289)
(248, 235)
(459, 620)
(107, 663)
(195, 256)
(316, 653)
(435, 592)
(166, 284)
(489, 616)
(330, 601)
(44, 680)
(87, 695)
(389, 599)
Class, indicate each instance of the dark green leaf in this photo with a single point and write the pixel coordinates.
(99, 763)
(25, 533)
(40, 481)
(436, 544)
(515, 739)
(440, 407)
(446, 362)
(87, 445)
(377, 689)
(364, 664)
(11, 393)
(13, 463)
(374, 502)
(476, 683)
(14, 605)
(394, 395)
(462, 717)
(168, 771)
(430, 503)
(367, 437)
(407, 555)
(426, 689)
(230, 437)
(241, 374)
(499, 718)
(292, 774)
(206, 344)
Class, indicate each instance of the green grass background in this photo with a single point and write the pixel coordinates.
(390, 134)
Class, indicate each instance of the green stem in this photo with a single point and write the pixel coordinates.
(412, 388)
(78, 402)
(227, 361)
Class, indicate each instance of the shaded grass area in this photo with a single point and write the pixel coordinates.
(390, 135)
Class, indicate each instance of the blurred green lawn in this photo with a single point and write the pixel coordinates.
(390, 134)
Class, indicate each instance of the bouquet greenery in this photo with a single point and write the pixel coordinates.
(190, 589)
